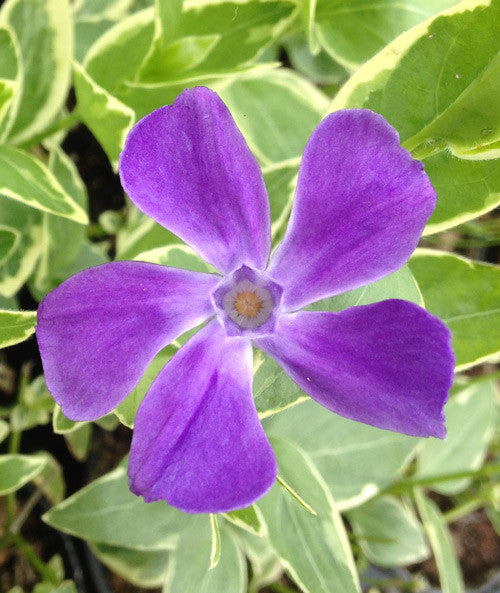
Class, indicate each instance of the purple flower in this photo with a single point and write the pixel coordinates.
(360, 207)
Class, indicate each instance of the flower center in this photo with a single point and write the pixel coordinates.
(248, 305)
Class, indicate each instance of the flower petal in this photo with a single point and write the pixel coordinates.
(389, 364)
(360, 207)
(198, 442)
(99, 330)
(188, 167)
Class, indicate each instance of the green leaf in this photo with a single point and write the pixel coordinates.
(88, 256)
(355, 460)
(34, 393)
(8, 303)
(64, 587)
(127, 410)
(450, 576)
(351, 32)
(117, 55)
(167, 15)
(282, 482)
(177, 57)
(4, 429)
(319, 68)
(57, 565)
(244, 30)
(92, 18)
(103, 9)
(464, 294)
(388, 532)
(308, 14)
(107, 512)
(167, 18)
(189, 569)
(66, 172)
(56, 263)
(108, 422)
(50, 480)
(106, 117)
(465, 189)
(266, 566)
(314, 549)
(79, 441)
(141, 234)
(87, 32)
(143, 568)
(45, 587)
(185, 569)
(16, 326)
(217, 37)
(215, 550)
(175, 256)
(273, 133)
(146, 97)
(398, 285)
(44, 30)
(9, 239)
(10, 76)
(27, 180)
(17, 470)
(477, 110)
(273, 390)
(445, 42)
(19, 265)
(470, 423)
(450, 115)
(249, 519)
(34, 407)
(280, 179)
(61, 424)
(140, 5)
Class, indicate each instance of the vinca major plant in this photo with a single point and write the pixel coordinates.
(360, 206)
(249, 287)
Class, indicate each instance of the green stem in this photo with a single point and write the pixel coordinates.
(280, 588)
(463, 510)
(15, 441)
(43, 570)
(407, 484)
(18, 522)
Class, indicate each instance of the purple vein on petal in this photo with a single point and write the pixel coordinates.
(198, 442)
(389, 364)
(187, 166)
(359, 210)
(99, 330)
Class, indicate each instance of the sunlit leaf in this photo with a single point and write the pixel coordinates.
(16, 326)
(465, 295)
(44, 31)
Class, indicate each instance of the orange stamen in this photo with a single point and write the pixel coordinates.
(247, 304)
